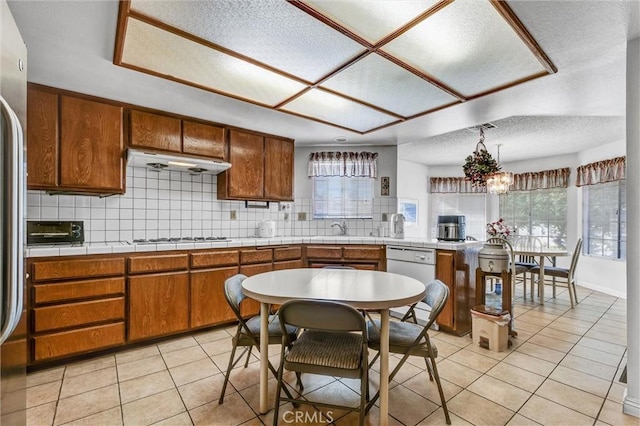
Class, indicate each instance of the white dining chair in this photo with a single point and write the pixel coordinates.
(568, 274)
(524, 263)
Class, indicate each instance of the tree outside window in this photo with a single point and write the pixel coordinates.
(541, 213)
(605, 219)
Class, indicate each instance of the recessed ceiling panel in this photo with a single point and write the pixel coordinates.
(324, 106)
(468, 46)
(165, 53)
(377, 81)
(270, 31)
(372, 20)
(356, 64)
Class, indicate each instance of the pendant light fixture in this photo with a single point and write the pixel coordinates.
(499, 182)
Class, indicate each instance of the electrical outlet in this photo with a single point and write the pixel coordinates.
(286, 217)
(302, 216)
(233, 215)
(284, 207)
(384, 217)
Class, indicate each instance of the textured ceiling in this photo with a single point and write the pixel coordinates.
(359, 66)
(71, 46)
(548, 136)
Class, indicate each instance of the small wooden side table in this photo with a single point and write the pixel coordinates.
(481, 277)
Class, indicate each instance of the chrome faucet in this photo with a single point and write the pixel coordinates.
(343, 227)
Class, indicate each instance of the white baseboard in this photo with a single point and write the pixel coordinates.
(631, 406)
(601, 289)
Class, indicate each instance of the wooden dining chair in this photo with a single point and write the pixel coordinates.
(248, 331)
(333, 343)
(410, 339)
(566, 274)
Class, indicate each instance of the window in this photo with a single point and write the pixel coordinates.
(605, 219)
(339, 197)
(472, 206)
(541, 213)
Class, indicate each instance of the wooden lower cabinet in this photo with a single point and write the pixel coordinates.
(446, 272)
(456, 268)
(208, 303)
(83, 304)
(356, 256)
(251, 307)
(158, 304)
(72, 342)
(362, 266)
(288, 264)
(76, 305)
(76, 314)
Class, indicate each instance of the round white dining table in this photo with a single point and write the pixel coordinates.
(367, 290)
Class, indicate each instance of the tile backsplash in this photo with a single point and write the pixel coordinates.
(178, 204)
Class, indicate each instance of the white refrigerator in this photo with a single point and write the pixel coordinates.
(13, 104)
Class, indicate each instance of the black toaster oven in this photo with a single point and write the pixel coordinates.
(55, 232)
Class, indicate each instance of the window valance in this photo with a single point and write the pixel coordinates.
(602, 171)
(350, 164)
(454, 185)
(558, 178)
(545, 179)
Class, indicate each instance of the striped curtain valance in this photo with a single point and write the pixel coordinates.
(454, 185)
(350, 164)
(545, 179)
(602, 171)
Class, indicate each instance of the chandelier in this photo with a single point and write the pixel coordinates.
(499, 182)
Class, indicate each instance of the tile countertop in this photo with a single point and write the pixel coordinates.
(126, 247)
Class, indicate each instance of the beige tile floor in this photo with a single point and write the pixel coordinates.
(563, 369)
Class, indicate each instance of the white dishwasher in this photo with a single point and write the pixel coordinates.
(418, 263)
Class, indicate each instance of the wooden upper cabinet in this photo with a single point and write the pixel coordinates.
(42, 139)
(278, 177)
(245, 178)
(154, 131)
(202, 139)
(261, 168)
(91, 145)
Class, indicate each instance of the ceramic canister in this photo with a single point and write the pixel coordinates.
(493, 258)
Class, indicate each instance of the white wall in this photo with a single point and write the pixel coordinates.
(382, 205)
(386, 166)
(415, 185)
(605, 275)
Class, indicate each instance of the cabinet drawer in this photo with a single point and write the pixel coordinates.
(362, 253)
(74, 314)
(320, 252)
(288, 264)
(77, 268)
(155, 263)
(78, 341)
(43, 293)
(258, 268)
(215, 258)
(256, 256)
(287, 253)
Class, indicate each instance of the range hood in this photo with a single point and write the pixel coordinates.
(162, 161)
